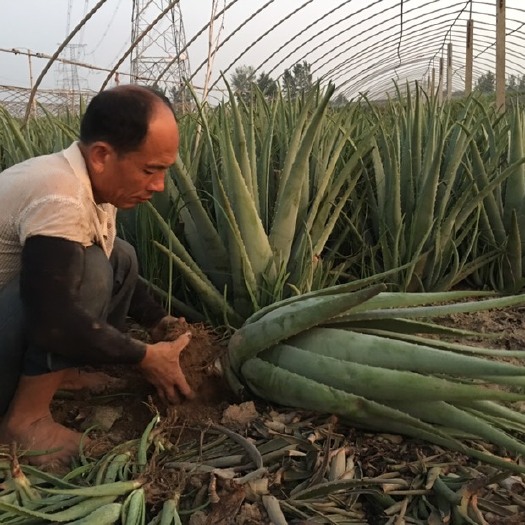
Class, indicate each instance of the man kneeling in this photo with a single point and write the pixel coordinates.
(67, 282)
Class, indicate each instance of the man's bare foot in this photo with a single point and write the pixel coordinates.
(42, 434)
(94, 382)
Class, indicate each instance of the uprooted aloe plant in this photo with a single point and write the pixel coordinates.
(352, 350)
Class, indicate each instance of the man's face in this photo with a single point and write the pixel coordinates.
(129, 179)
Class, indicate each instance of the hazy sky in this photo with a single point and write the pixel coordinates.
(360, 44)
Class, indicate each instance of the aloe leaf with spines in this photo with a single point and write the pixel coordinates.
(384, 352)
(351, 286)
(200, 230)
(334, 173)
(291, 319)
(515, 184)
(490, 408)
(446, 414)
(322, 215)
(503, 211)
(208, 293)
(174, 243)
(266, 120)
(292, 179)
(512, 261)
(290, 389)
(244, 208)
(389, 300)
(403, 333)
(15, 144)
(245, 283)
(362, 377)
(240, 147)
(385, 385)
(434, 310)
(400, 328)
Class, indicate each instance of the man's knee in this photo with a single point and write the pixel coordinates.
(96, 286)
(125, 274)
(124, 261)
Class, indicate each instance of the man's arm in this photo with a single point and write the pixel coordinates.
(50, 279)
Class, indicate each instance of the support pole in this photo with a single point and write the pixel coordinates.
(500, 55)
(30, 64)
(449, 71)
(470, 57)
(440, 82)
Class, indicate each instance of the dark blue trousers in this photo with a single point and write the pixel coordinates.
(105, 292)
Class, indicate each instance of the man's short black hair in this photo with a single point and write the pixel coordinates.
(120, 117)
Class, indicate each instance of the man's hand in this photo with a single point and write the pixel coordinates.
(168, 329)
(161, 367)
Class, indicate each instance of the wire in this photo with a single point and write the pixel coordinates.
(199, 33)
(360, 49)
(299, 33)
(236, 30)
(331, 38)
(106, 31)
(401, 5)
(277, 24)
(76, 29)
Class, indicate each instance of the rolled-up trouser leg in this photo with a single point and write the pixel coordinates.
(105, 292)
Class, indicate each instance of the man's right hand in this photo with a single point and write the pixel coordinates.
(161, 367)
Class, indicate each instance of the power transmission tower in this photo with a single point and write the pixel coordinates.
(160, 46)
(69, 79)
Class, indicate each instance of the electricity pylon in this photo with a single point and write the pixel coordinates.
(160, 51)
(69, 80)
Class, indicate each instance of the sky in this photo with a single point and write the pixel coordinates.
(359, 44)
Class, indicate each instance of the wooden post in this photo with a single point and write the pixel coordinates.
(440, 82)
(449, 71)
(500, 55)
(30, 64)
(470, 57)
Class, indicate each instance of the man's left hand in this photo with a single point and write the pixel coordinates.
(168, 329)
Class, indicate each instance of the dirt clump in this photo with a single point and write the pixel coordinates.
(135, 400)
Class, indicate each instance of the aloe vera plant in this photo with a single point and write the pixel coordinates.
(40, 136)
(260, 189)
(503, 213)
(426, 201)
(335, 353)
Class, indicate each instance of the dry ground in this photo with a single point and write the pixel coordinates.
(126, 413)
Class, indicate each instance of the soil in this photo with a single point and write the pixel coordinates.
(126, 413)
(136, 401)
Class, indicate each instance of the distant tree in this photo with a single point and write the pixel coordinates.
(267, 85)
(340, 100)
(182, 99)
(486, 83)
(298, 79)
(512, 83)
(521, 85)
(242, 81)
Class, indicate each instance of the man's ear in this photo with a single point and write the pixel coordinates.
(98, 154)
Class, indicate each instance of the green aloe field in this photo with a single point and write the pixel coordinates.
(324, 243)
